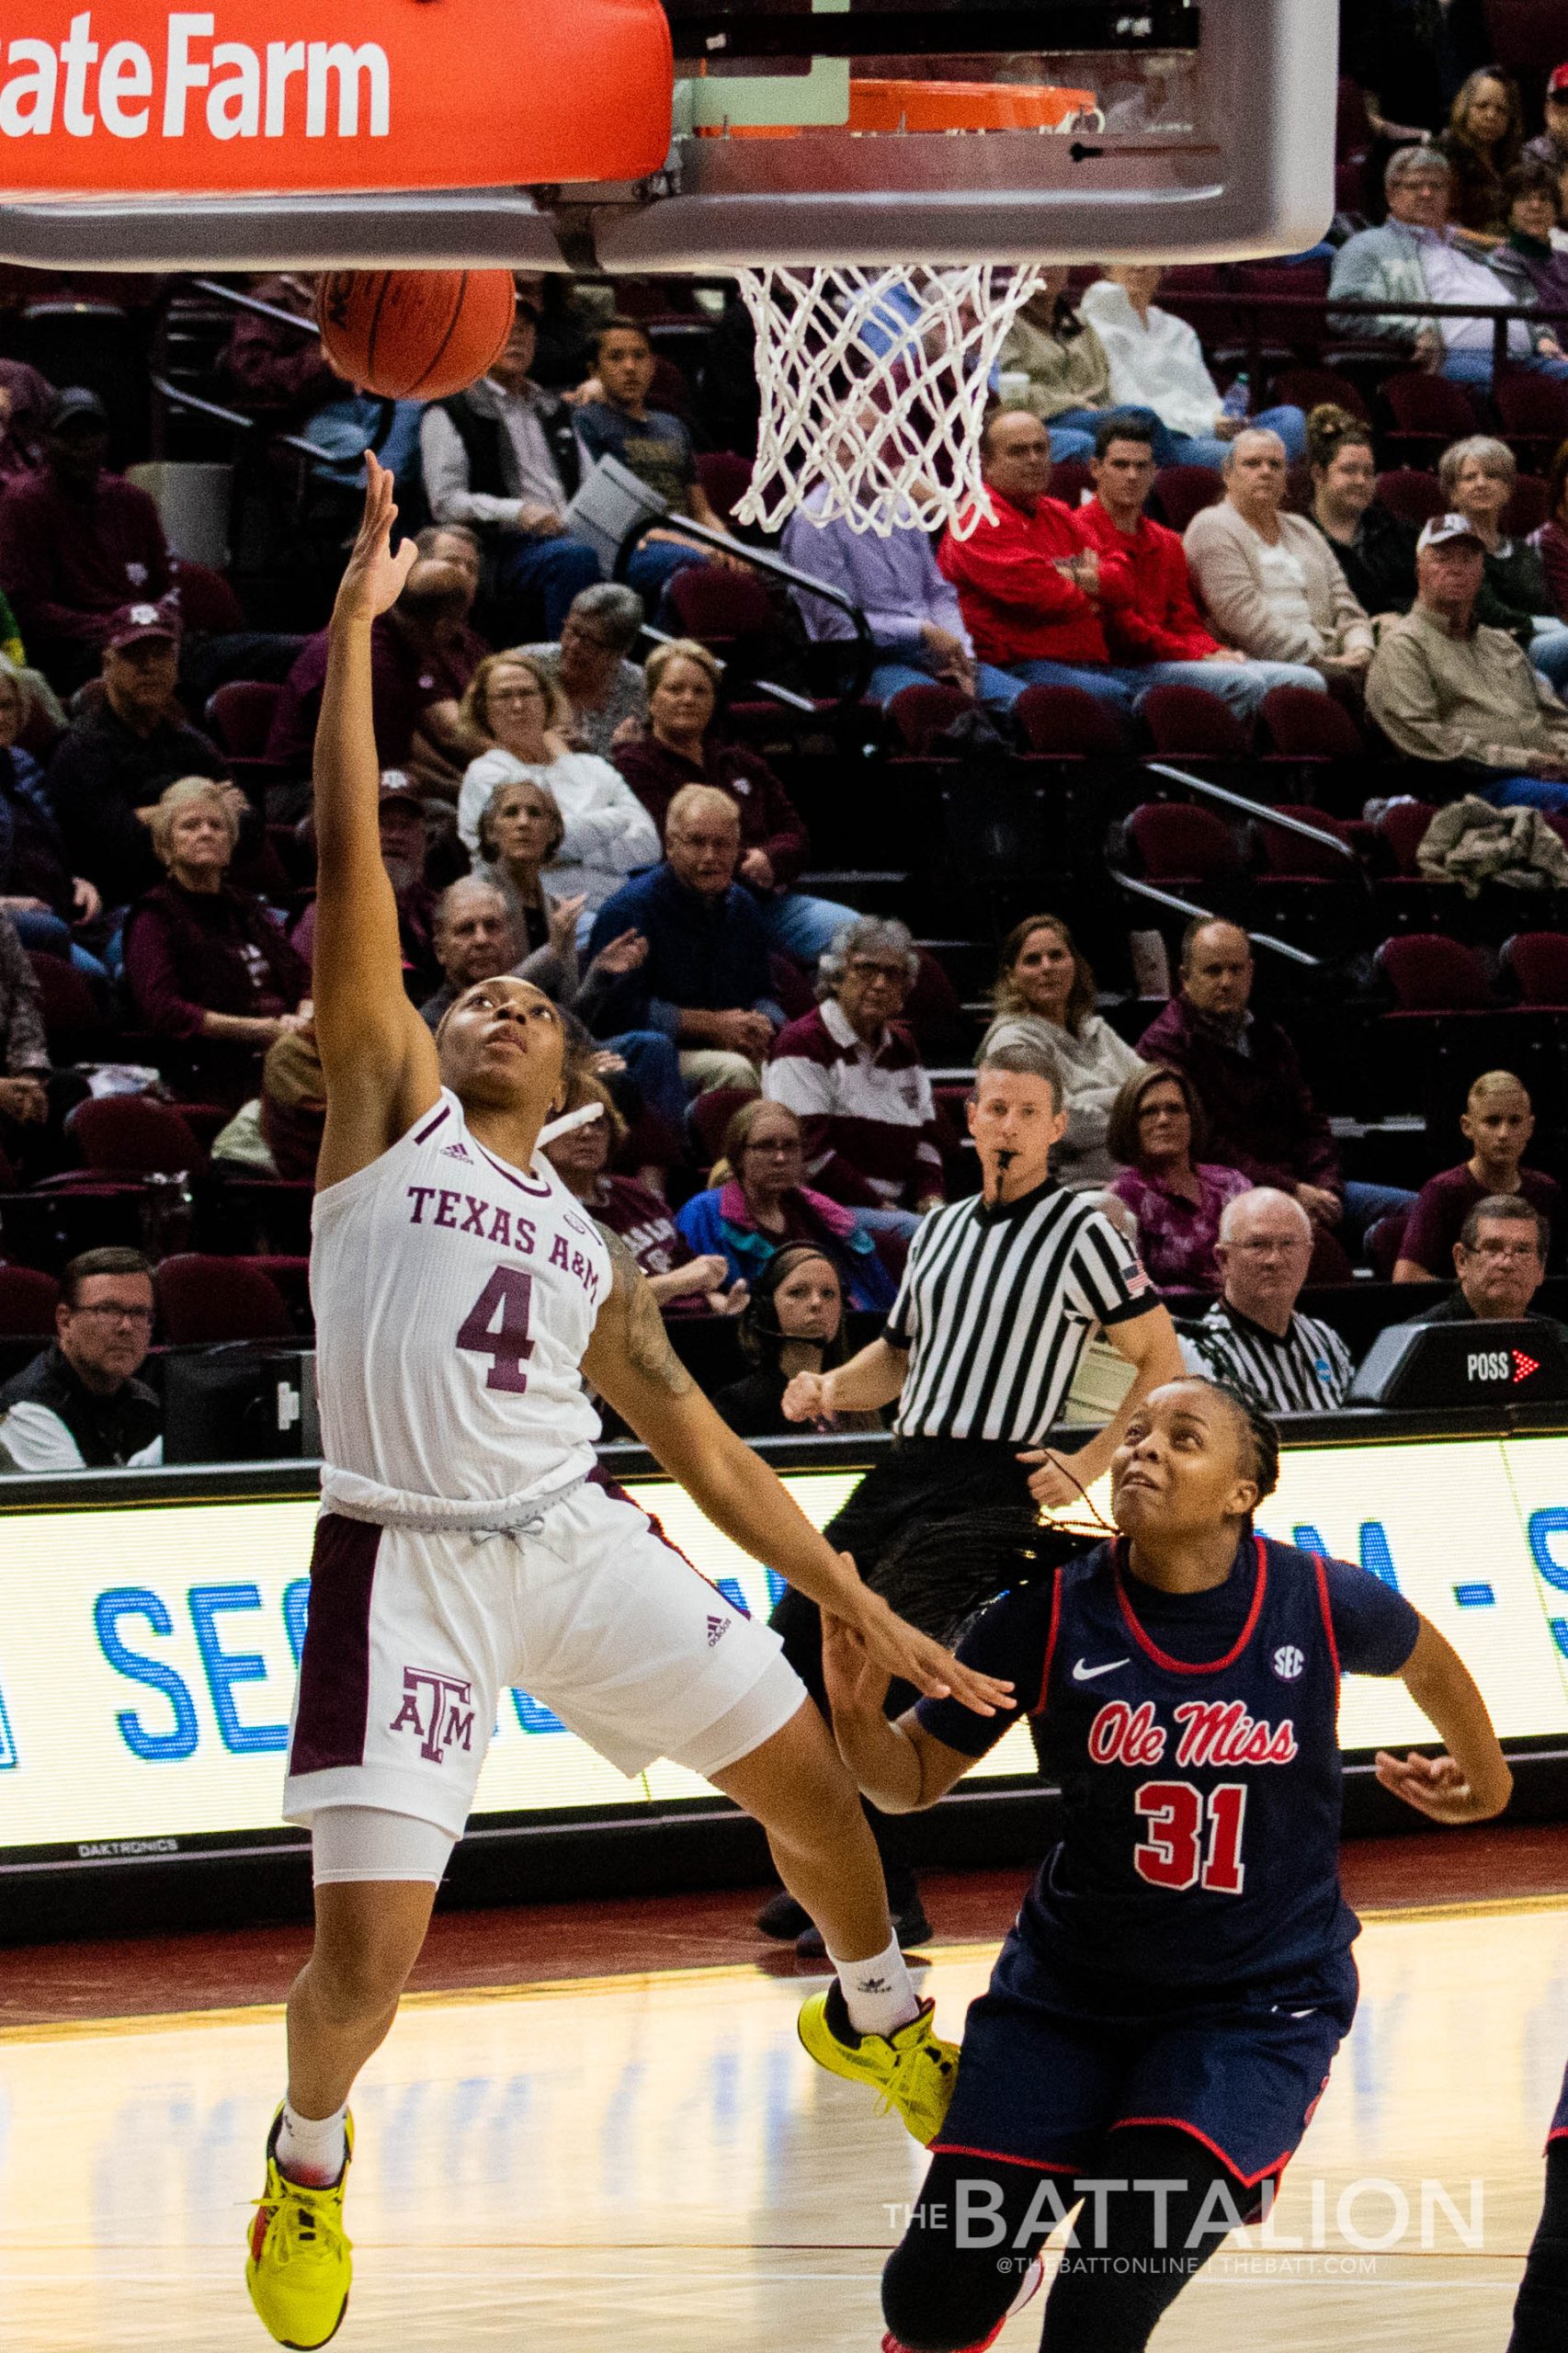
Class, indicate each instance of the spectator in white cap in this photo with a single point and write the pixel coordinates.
(1445, 689)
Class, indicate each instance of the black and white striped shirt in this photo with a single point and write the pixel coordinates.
(1308, 1371)
(997, 1306)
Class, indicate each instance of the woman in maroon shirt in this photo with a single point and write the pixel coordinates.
(681, 748)
(1157, 1127)
(205, 961)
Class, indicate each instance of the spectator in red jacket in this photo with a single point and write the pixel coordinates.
(1159, 627)
(77, 544)
(206, 961)
(681, 748)
(853, 1076)
(1262, 1119)
(1033, 586)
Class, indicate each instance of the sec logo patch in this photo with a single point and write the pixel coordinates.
(1289, 1661)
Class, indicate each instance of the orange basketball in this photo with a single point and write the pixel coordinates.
(415, 334)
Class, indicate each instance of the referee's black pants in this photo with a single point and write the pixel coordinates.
(923, 1480)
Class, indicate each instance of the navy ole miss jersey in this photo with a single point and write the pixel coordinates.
(1195, 1740)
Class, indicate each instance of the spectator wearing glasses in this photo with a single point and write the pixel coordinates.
(1158, 628)
(1497, 1122)
(1416, 256)
(610, 703)
(1159, 1132)
(1478, 476)
(1500, 1261)
(515, 705)
(1254, 1338)
(1270, 581)
(1528, 261)
(79, 1404)
(760, 1202)
(1373, 547)
(852, 1074)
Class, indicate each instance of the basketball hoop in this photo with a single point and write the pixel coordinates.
(874, 384)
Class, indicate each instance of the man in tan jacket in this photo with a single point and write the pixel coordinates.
(1270, 581)
(1444, 688)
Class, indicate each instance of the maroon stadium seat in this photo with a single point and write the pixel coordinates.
(1308, 387)
(130, 1135)
(1070, 480)
(1431, 974)
(1070, 722)
(726, 478)
(1539, 961)
(201, 1298)
(1175, 844)
(1411, 493)
(1302, 724)
(1529, 507)
(239, 716)
(71, 1021)
(1428, 413)
(1182, 492)
(725, 610)
(1290, 858)
(28, 1302)
(1188, 722)
(919, 713)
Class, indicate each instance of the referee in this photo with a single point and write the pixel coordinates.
(1001, 1294)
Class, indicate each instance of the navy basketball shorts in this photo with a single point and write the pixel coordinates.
(1055, 2058)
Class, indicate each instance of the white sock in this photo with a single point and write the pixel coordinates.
(878, 1993)
(311, 2152)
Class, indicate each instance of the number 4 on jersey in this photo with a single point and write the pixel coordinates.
(506, 1344)
(1172, 1855)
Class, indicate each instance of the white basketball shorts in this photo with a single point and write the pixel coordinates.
(413, 1637)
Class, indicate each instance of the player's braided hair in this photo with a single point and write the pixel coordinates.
(1262, 1435)
(940, 1570)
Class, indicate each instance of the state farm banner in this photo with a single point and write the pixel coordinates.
(251, 96)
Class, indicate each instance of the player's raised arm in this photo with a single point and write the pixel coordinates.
(630, 1362)
(378, 1055)
(1472, 1781)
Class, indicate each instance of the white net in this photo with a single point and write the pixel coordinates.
(874, 386)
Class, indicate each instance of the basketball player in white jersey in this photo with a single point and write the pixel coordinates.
(461, 1295)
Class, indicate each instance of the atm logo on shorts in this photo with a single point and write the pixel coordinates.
(439, 1708)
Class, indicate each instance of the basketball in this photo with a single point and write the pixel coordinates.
(415, 334)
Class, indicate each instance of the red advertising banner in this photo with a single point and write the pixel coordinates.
(247, 96)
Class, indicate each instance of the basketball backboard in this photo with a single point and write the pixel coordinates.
(543, 132)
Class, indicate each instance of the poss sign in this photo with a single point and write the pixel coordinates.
(264, 95)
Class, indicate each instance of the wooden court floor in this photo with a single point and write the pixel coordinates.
(651, 2161)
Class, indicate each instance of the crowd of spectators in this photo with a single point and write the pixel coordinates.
(572, 788)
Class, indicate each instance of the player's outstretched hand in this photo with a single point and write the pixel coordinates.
(374, 578)
(856, 1684)
(902, 1651)
(1434, 1786)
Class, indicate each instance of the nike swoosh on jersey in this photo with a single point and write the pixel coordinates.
(1082, 1674)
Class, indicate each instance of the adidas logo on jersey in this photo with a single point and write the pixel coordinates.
(717, 1629)
(456, 1151)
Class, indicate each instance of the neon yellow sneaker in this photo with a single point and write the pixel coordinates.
(913, 2068)
(300, 2264)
